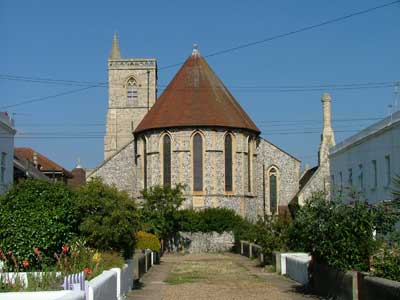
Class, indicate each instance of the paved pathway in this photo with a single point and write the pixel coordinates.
(214, 276)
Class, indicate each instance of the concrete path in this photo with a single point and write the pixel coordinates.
(214, 276)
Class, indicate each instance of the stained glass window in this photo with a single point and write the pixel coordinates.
(197, 162)
(166, 160)
(228, 163)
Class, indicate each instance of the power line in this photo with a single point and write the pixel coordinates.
(289, 33)
(48, 97)
(268, 39)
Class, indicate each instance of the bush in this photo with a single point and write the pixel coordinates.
(338, 234)
(109, 217)
(272, 233)
(386, 262)
(38, 214)
(208, 220)
(146, 240)
(159, 209)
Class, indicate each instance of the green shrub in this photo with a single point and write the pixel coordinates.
(37, 214)
(386, 262)
(146, 240)
(109, 217)
(272, 233)
(160, 205)
(339, 234)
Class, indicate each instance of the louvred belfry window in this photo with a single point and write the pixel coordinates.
(249, 166)
(197, 163)
(132, 92)
(228, 163)
(166, 160)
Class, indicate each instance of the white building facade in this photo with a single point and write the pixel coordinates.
(368, 161)
(7, 133)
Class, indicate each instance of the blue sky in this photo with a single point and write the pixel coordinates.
(70, 40)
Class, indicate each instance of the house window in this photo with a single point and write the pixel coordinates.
(350, 177)
(197, 163)
(341, 181)
(228, 163)
(166, 160)
(388, 171)
(273, 190)
(375, 171)
(361, 176)
(333, 188)
(249, 165)
(3, 167)
(132, 92)
(144, 163)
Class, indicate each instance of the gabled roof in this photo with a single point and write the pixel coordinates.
(46, 164)
(196, 97)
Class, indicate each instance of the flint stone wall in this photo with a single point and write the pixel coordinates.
(200, 242)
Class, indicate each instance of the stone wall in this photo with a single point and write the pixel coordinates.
(268, 156)
(119, 170)
(199, 242)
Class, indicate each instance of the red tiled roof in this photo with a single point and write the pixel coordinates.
(196, 97)
(45, 163)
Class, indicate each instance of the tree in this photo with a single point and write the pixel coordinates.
(37, 214)
(110, 217)
(159, 209)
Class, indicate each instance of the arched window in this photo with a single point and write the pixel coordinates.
(228, 163)
(166, 160)
(249, 165)
(273, 190)
(131, 91)
(197, 162)
(144, 163)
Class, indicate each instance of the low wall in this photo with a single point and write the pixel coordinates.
(297, 268)
(103, 287)
(199, 242)
(332, 283)
(374, 288)
(282, 260)
(46, 295)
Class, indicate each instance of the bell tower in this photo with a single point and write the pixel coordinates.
(132, 91)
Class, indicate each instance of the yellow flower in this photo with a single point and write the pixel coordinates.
(96, 257)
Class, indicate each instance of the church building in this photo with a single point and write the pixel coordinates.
(196, 134)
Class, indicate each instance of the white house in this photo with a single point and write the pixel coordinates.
(367, 161)
(7, 133)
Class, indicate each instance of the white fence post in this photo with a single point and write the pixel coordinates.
(250, 250)
(241, 247)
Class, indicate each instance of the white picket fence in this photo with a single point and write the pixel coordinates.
(112, 284)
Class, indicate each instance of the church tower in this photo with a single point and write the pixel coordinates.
(132, 91)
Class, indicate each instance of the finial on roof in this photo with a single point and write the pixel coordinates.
(78, 166)
(326, 97)
(115, 53)
(195, 51)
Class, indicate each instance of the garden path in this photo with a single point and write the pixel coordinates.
(214, 276)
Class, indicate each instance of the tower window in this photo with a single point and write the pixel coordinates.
(132, 91)
(166, 160)
(197, 162)
(228, 163)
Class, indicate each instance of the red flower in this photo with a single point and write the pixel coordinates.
(36, 251)
(25, 263)
(2, 256)
(65, 249)
(87, 271)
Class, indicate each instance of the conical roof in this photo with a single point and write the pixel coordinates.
(196, 97)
